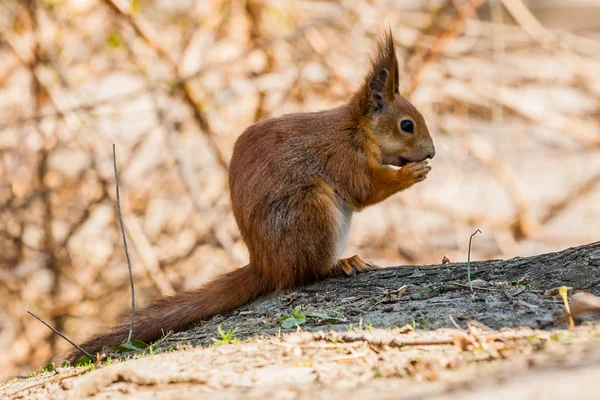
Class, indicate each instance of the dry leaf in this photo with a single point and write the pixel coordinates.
(555, 291)
(584, 303)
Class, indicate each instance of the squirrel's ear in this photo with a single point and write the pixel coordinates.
(382, 81)
(377, 88)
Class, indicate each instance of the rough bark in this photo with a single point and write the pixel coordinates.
(514, 297)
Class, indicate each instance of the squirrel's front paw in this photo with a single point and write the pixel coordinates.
(412, 173)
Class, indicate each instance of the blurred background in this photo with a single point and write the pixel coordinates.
(510, 90)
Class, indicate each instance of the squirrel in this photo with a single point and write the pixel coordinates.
(295, 181)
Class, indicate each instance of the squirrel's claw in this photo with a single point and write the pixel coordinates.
(353, 265)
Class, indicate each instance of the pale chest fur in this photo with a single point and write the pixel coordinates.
(344, 220)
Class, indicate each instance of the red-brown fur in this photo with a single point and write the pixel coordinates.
(293, 180)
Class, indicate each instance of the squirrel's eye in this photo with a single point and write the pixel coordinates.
(407, 126)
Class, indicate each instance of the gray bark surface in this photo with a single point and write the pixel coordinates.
(513, 296)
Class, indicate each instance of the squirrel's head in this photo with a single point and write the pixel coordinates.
(398, 128)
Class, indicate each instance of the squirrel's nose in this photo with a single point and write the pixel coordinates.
(430, 153)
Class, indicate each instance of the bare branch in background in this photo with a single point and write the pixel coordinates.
(146, 32)
(443, 37)
(149, 259)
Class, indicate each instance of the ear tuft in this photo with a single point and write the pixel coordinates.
(381, 82)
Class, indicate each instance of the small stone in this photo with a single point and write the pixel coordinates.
(480, 283)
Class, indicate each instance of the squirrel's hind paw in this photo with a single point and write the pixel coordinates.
(353, 265)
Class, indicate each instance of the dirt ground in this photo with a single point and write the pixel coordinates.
(404, 332)
(395, 363)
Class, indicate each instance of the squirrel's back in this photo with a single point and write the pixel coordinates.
(278, 155)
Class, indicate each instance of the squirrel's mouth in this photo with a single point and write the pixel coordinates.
(398, 162)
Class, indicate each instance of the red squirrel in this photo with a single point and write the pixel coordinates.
(295, 181)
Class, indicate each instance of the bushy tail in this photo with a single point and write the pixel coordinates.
(222, 295)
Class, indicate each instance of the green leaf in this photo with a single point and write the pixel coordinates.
(297, 311)
(48, 367)
(84, 361)
(226, 337)
(297, 318)
(293, 320)
(65, 363)
(133, 345)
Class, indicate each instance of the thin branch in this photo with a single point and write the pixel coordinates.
(65, 111)
(62, 336)
(579, 192)
(85, 215)
(523, 225)
(443, 39)
(469, 260)
(296, 33)
(125, 244)
(529, 22)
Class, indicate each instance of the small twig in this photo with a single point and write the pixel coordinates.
(530, 24)
(455, 324)
(485, 289)
(443, 38)
(62, 336)
(469, 260)
(101, 356)
(161, 341)
(349, 357)
(369, 292)
(423, 342)
(125, 244)
(319, 345)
